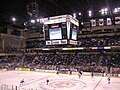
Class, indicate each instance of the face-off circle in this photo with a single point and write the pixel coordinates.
(62, 84)
(66, 84)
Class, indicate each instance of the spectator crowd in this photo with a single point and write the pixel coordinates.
(67, 60)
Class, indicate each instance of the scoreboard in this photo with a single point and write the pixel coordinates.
(61, 30)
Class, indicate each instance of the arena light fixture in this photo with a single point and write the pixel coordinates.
(102, 13)
(106, 9)
(25, 23)
(13, 19)
(116, 10)
(32, 21)
(105, 13)
(81, 23)
(38, 20)
(80, 13)
(90, 13)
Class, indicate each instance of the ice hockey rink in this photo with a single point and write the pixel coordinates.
(37, 81)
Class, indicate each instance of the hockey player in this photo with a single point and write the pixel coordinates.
(92, 74)
(70, 72)
(109, 80)
(47, 81)
(79, 74)
(22, 81)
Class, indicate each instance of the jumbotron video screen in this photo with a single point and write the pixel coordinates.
(55, 33)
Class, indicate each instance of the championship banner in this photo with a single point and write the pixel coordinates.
(109, 22)
(93, 22)
(101, 22)
(117, 20)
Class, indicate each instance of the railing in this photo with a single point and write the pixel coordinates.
(13, 87)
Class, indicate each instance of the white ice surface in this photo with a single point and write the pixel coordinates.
(37, 81)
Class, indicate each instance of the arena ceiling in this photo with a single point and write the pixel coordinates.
(48, 8)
